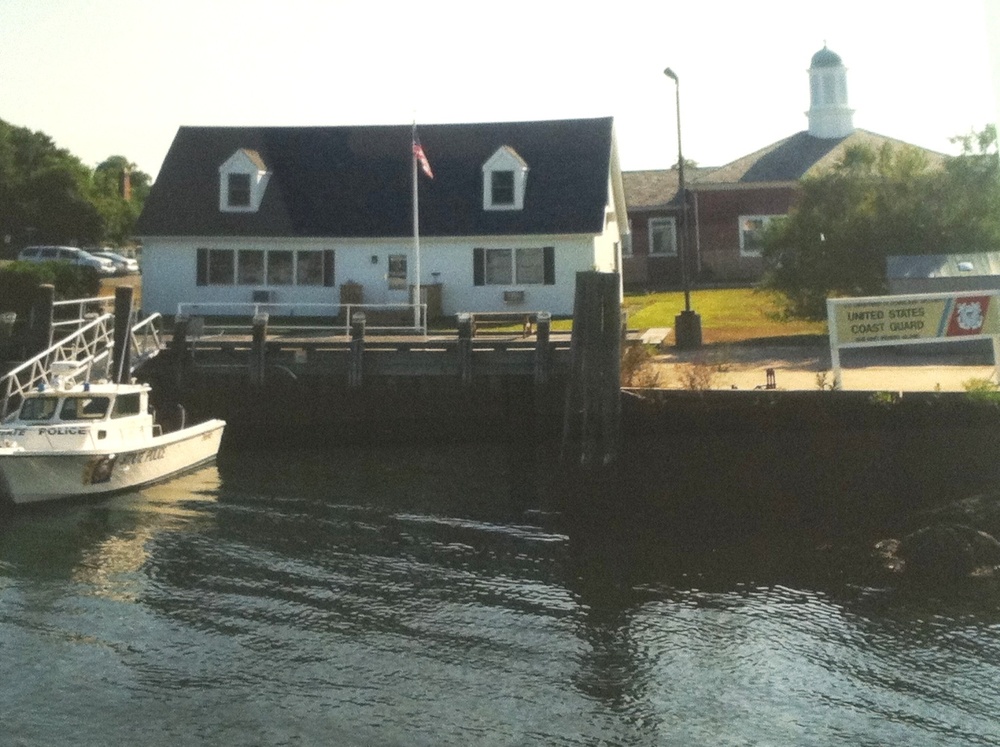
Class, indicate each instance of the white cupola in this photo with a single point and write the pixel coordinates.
(829, 115)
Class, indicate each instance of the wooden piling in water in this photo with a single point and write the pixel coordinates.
(356, 355)
(180, 350)
(179, 345)
(121, 358)
(258, 349)
(592, 423)
(464, 348)
(543, 361)
(40, 321)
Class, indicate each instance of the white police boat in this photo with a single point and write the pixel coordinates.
(83, 439)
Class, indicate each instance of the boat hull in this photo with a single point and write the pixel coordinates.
(36, 476)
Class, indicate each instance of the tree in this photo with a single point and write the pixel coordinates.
(44, 192)
(47, 195)
(120, 191)
(874, 204)
(975, 177)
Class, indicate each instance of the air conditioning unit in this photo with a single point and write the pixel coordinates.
(263, 296)
(513, 298)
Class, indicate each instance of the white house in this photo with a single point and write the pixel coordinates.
(289, 214)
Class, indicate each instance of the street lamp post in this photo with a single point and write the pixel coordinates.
(687, 324)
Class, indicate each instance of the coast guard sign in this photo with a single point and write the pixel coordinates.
(901, 320)
(895, 318)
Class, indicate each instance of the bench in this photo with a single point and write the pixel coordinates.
(525, 319)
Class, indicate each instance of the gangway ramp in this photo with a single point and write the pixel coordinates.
(84, 354)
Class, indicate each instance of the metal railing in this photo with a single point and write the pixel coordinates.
(84, 353)
(83, 304)
(77, 353)
(145, 340)
(76, 312)
(341, 314)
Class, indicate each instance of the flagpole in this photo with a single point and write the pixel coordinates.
(416, 229)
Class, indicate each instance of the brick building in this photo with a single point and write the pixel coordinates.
(728, 206)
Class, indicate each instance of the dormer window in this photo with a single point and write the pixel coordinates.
(239, 190)
(505, 176)
(503, 188)
(242, 181)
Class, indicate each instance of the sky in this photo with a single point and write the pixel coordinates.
(118, 77)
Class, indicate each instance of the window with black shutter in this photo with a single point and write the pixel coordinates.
(479, 266)
(328, 270)
(201, 263)
(549, 261)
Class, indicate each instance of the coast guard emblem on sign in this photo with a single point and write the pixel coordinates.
(968, 316)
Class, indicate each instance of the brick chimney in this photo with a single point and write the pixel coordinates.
(125, 185)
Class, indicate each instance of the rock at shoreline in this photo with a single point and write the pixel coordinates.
(941, 553)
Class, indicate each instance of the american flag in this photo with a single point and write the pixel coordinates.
(418, 153)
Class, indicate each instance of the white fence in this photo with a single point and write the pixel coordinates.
(287, 312)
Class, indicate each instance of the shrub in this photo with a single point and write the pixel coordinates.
(983, 390)
(885, 399)
(824, 383)
(20, 280)
(638, 369)
(979, 385)
(699, 374)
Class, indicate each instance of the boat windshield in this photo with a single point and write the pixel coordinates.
(84, 408)
(126, 404)
(39, 408)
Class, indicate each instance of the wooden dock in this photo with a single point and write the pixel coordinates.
(521, 379)
(355, 358)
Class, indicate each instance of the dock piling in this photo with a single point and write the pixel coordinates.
(593, 396)
(40, 321)
(464, 348)
(258, 349)
(356, 356)
(543, 362)
(122, 350)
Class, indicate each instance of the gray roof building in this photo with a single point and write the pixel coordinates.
(934, 273)
(797, 157)
(355, 181)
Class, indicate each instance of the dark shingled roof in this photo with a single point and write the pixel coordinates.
(798, 156)
(356, 181)
(657, 190)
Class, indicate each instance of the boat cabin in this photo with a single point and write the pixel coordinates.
(53, 405)
(69, 416)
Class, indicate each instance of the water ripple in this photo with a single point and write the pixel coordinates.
(336, 599)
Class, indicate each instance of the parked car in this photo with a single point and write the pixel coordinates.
(123, 265)
(68, 254)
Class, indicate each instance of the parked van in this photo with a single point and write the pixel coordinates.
(69, 254)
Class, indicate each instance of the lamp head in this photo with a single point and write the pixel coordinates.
(671, 74)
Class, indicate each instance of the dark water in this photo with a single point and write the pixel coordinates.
(405, 597)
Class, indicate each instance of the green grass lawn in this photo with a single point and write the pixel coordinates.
(727, 314)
